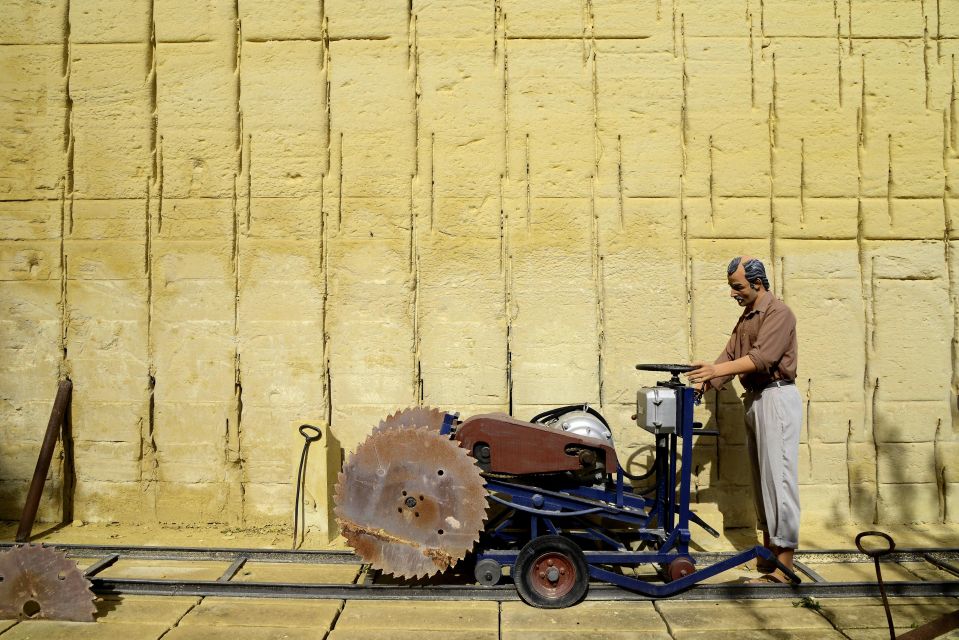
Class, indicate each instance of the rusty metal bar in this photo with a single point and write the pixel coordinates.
(54, 427)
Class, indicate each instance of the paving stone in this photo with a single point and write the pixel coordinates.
(6, 624)
(584, 617)
(265, 612)
(53, 630)
(299, 573)
(872, 615)
(862, 572)
(438, 616)
(584, 634)
(741, 615)
(926, 571)
(412, 634)
(166, 570)
(143, 609)
(761, 634)
(883, 634)
(218, 632)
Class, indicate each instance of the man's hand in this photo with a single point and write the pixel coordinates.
(703, 372)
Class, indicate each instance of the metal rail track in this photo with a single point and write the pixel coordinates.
(814, 586)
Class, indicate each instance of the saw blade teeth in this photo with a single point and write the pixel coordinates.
(416, 518)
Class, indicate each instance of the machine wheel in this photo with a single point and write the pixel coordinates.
(551, 573)
(488, 572)
(680, 567)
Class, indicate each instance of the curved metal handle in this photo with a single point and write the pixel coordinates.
(875, 553)
(316, 435)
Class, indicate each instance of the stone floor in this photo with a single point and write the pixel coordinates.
(196, 618)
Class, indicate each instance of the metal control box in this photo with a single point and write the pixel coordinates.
(656, 410)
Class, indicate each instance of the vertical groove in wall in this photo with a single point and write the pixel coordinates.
(63, 302)
(599, 285)
(506, 268)
(838, 56)
(712, 185)
(952, 103)
(529, 191)
(953, 306)
(683, 216)
(771, 177)
(248, 170)
(235, 461)
(889, 178)
(802, 181)
(762, 19)
(325, 40)
(620, 196)
(940, 468)
(850, 470)
(675, 52)
(159, 183)
(414, 265)
(774, 104)
(752, 60)
(339, 193)
(67, 67)
(413, 65)
(861, 119)
(938, 31)
(505, 41)
(849, 25)
(876, 447)
(237, 85)
(925, 56)
(496, 18)
(594, 87)
(867, 292)
(325, 304)
(149, 461)
(432, 178)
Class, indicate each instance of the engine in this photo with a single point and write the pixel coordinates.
(584, 422)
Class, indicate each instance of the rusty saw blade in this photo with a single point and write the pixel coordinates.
(410, 501)
(413, 417)
(40, 582)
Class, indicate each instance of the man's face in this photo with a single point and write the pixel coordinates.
(739, 289)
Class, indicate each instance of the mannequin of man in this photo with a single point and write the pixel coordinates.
(763, 352)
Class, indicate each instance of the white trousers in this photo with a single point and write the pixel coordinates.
(773, 423)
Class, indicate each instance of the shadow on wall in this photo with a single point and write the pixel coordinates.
(728, 483)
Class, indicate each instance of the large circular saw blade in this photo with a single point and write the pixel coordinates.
(410, 501)
(40, 582)
(413, 417)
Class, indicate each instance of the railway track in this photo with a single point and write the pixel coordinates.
(938, 562)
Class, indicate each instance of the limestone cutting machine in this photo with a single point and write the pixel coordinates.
(545, 500)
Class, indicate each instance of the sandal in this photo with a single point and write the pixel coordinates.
(765, 566)
(769, 578)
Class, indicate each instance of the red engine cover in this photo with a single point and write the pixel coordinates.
(518, 447)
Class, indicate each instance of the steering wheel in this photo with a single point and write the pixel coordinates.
(674, 369)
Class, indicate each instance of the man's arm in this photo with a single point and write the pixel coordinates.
(775, 334)
(725, 357)
(706, 372)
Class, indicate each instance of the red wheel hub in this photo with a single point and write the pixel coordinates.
(552, 575)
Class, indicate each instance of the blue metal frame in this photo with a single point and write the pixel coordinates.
(660, 522)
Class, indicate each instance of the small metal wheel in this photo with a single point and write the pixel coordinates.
(551, 573)
(488, 572)
(680, 567)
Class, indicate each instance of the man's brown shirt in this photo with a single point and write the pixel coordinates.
(767, 334)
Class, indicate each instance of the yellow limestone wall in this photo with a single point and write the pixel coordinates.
(223, 218)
